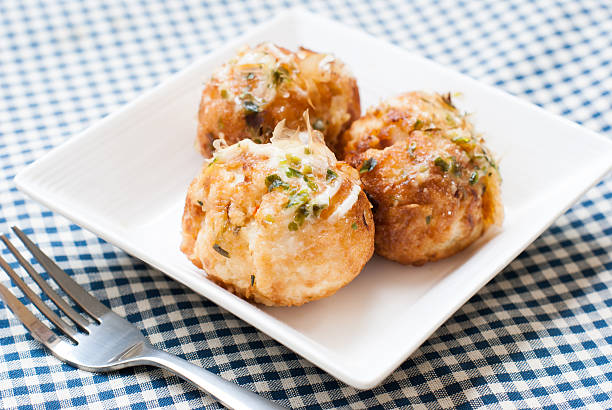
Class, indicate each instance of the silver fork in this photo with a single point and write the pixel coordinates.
(109, 342)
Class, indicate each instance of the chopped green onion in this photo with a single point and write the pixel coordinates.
(250, 106)
(274, 181)
(462, 140)
(428, 219)
(307, 151)
(443, 165)
(307, 169)
(297, 198)
(224, 94)
(412, 147)
(354, 226)
(301, 214)
(368, 165)
(455, 167)
(331, 175)
(294, 173)
(279, 75)
(418, 124)
(474, 178)
(311, 184)
(292, 226)
(293, 160)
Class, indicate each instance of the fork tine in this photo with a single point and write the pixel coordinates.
(38, 329)
(44, 286)
(55, 319)
(87, 302)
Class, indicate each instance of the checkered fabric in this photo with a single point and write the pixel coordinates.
(538, 336)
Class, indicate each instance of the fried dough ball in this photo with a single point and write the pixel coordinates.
(281, 223)
(434, 185)
(260, 86)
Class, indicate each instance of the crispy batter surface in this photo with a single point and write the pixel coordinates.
(434, 185)
(260, 86)
(280, 224)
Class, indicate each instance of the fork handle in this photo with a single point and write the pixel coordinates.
(231, 395)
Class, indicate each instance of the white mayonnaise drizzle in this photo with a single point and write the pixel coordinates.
(348, 203)
(324, 197)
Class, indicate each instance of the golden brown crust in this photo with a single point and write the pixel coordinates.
(434, 186)
(261, 86)
(238, 229)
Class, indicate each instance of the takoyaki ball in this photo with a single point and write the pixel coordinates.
(281, 223)
(434, 185)
(261, 86)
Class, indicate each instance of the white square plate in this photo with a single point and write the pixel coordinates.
(126, 177)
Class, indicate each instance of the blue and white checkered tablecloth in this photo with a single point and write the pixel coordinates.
(538, 336)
